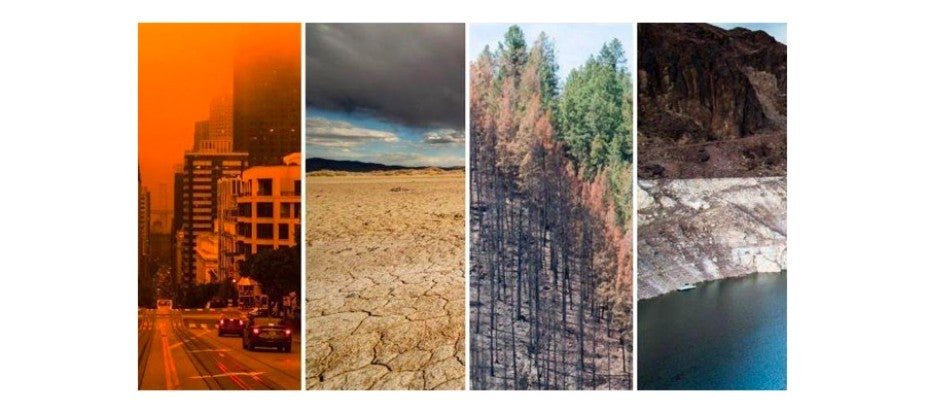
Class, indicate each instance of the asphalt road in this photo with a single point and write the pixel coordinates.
(183, 351)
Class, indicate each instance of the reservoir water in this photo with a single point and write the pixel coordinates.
(723, 334)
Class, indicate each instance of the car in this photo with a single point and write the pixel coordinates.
(231, 322)
(258, 312)
(164, 307)
(262, 330)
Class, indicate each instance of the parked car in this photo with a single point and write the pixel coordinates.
(231, 322)
(267, 331)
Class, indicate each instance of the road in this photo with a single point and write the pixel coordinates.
(183, 351)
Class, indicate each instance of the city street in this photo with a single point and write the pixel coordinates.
(183, 351)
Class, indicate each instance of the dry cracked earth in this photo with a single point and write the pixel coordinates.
(385, 295)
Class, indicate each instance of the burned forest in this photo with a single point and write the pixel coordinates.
(551, 250)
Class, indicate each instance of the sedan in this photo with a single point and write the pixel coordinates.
(231, 322)
(267, 332)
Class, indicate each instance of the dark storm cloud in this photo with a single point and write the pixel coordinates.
(409, 73)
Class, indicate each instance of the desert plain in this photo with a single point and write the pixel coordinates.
(385, 287)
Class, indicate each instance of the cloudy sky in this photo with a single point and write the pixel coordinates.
(386, 93)
(574, 43)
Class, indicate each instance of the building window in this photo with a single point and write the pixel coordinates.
(297, 230)
(296, 209)
(244, 210)
(261, 248)
(283, 231)
(284, 209)
(265, 230)
(244, 229)
(264, 209)
(243, 248)
(265, 187)
(297, 187)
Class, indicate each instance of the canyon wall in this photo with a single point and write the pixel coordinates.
(691, 230)
(712, 145)
(712, 102)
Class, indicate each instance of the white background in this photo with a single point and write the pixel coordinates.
(68, 106)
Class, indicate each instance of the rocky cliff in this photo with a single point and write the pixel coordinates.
(712, 102)
(692, 230)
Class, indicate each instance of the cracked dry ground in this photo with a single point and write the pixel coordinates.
(385, 295)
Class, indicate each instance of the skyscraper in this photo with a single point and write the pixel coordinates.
(220, 118)
(266, 98)
(198, 200)
(144, 243)
(215, 134)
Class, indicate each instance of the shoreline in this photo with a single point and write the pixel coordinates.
(702, 282)
(694, 230)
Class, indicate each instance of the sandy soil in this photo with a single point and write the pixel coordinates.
(385, 295)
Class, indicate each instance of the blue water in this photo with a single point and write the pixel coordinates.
(724, 334)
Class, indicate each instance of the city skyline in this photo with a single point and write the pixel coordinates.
(219, 122)
(182, 69)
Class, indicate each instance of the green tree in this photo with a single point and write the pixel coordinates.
(513, 53)
(542, 61)
(277, 271)
(595, 119)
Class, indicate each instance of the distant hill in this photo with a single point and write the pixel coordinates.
(314, 164)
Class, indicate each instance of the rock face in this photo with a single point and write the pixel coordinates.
(712, 147)
(712, 102)
(691, 230)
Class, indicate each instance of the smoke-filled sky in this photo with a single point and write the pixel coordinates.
(181, 68)
(386, 93)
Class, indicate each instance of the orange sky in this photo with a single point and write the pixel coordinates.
(181, 67)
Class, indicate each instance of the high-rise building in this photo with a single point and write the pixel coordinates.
(144, 230)
(198, 200)
(160, 237)
(196, 192)
(220, 118)
(261, 210)
(266, 99)
(176, 224)
(200, 133)
(268, 207)
(225, 228)
(215, 135)
(144, 221)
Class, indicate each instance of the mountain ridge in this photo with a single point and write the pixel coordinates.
(314, 164)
